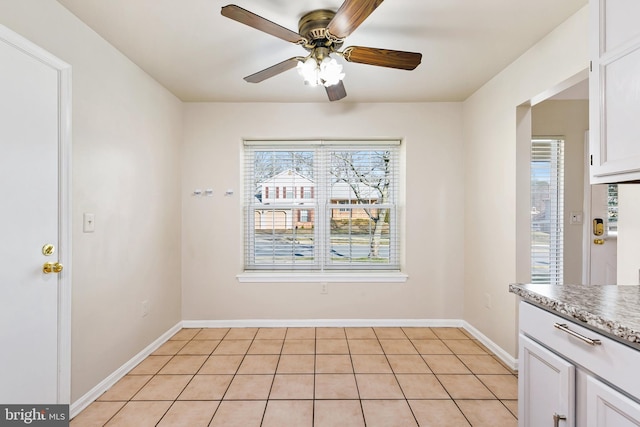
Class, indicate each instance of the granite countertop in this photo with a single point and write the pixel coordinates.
(613, 310)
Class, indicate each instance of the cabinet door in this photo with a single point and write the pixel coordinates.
(607, 407)
(614, 91)
(546, 387)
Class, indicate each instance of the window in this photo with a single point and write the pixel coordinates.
(547, 210)
(612, 210)
(343, 202)
(306, 193)
(309, 233)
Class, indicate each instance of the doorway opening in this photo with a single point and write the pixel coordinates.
(562, 113)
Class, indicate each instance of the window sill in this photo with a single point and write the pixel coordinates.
(337, 277)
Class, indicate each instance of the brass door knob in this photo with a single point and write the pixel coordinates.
(52, 267)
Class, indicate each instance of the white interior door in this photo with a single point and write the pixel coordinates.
(603, 247)
(34, 320)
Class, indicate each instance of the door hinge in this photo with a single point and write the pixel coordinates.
(590, 66)
(591, 159)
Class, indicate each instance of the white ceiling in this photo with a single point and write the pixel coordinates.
(199, 55)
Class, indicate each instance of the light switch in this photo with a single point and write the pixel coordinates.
(575, 218)
(89, 222)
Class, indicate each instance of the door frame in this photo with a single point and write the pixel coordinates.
(64, 202)
(586, 209)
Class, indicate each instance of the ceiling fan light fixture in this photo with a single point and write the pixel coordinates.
(309, 71)
(327, 72)
(330, 72)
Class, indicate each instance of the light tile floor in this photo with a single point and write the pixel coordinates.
(312, 377)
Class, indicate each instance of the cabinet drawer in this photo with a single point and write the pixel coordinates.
(612, 361)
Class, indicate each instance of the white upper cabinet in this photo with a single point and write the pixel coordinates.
(614, 116)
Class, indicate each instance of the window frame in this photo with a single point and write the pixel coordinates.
(553, 210)
(320, 273)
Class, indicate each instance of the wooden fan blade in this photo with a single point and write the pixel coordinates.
(274, 70)
(382, 57)
(336, 92)
(259, 23)
(351, 14)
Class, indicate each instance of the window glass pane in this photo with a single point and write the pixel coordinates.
(318, 206)
(547, 211)
(282, 225)
(283, 237)
(612, 209)
(360, 184)
(276, 174)
(357, 238)
(363, 176)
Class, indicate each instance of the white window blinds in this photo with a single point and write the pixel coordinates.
(321, 205)
(612, 209)
(547, 210)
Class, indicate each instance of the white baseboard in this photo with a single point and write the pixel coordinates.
(77, 406)
(509, 360)
(319, 323)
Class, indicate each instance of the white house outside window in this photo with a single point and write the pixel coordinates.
(335, 210)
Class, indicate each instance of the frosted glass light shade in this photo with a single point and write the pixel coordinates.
(327, 73)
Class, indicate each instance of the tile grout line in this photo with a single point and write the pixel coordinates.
(186, 385)
(395, 375)
(355, 379)
(211, 354)
(229, 385)
(146, 383)
(273, 380)
(442, 385)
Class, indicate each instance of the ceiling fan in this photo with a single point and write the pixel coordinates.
(322, 32)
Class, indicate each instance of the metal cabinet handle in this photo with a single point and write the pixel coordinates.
(557, 418)
(564, 328)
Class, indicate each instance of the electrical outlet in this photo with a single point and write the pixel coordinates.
(324, 288)
(88, 222)
(145, 308)
(487, 300)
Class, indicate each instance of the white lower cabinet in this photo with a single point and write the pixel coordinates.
(546, 387)
(607, 407)
(570, 376)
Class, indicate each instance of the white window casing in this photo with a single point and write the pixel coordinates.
(336, 217)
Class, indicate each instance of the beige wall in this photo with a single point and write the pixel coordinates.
(433, 210)
(628, 234)
(490, 132)
(568, 119)
(126, 170)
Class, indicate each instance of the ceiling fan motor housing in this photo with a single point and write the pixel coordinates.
(313, 25)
